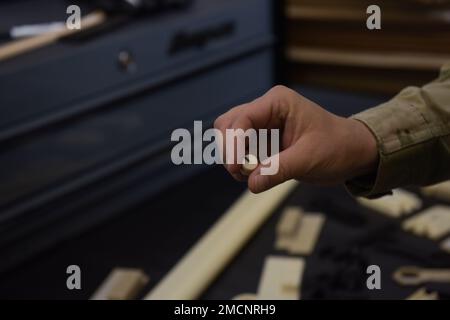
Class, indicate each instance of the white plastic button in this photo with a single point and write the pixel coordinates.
(250, 164)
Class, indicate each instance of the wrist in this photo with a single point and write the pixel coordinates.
(366, 149)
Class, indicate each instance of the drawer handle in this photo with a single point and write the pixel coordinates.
(126, 61)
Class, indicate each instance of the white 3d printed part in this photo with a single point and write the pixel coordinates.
(400, 203)
(281, 278)
(432, 223)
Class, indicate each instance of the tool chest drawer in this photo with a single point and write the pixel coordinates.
(78, 146)
(78, 74)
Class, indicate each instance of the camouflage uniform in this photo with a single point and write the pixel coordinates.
(413, 136)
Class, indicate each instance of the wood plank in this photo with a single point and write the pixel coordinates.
(121, 284)
(394, 60)
(344, 13)
(212, 253)
(17, 47)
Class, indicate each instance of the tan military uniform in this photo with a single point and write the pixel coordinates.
(413, 135)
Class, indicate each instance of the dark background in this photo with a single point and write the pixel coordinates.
(85, 167)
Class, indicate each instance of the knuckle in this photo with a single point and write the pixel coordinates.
(282, 97)
(279, 90)
(238, 109)
(219, 122)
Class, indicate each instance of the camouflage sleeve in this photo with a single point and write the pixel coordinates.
(413, 136)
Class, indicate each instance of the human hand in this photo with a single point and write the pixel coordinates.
(316, 146)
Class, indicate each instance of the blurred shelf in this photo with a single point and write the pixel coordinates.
(358, 14)
(324, 35)
(394, 60)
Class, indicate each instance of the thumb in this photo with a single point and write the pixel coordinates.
(258, 182)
